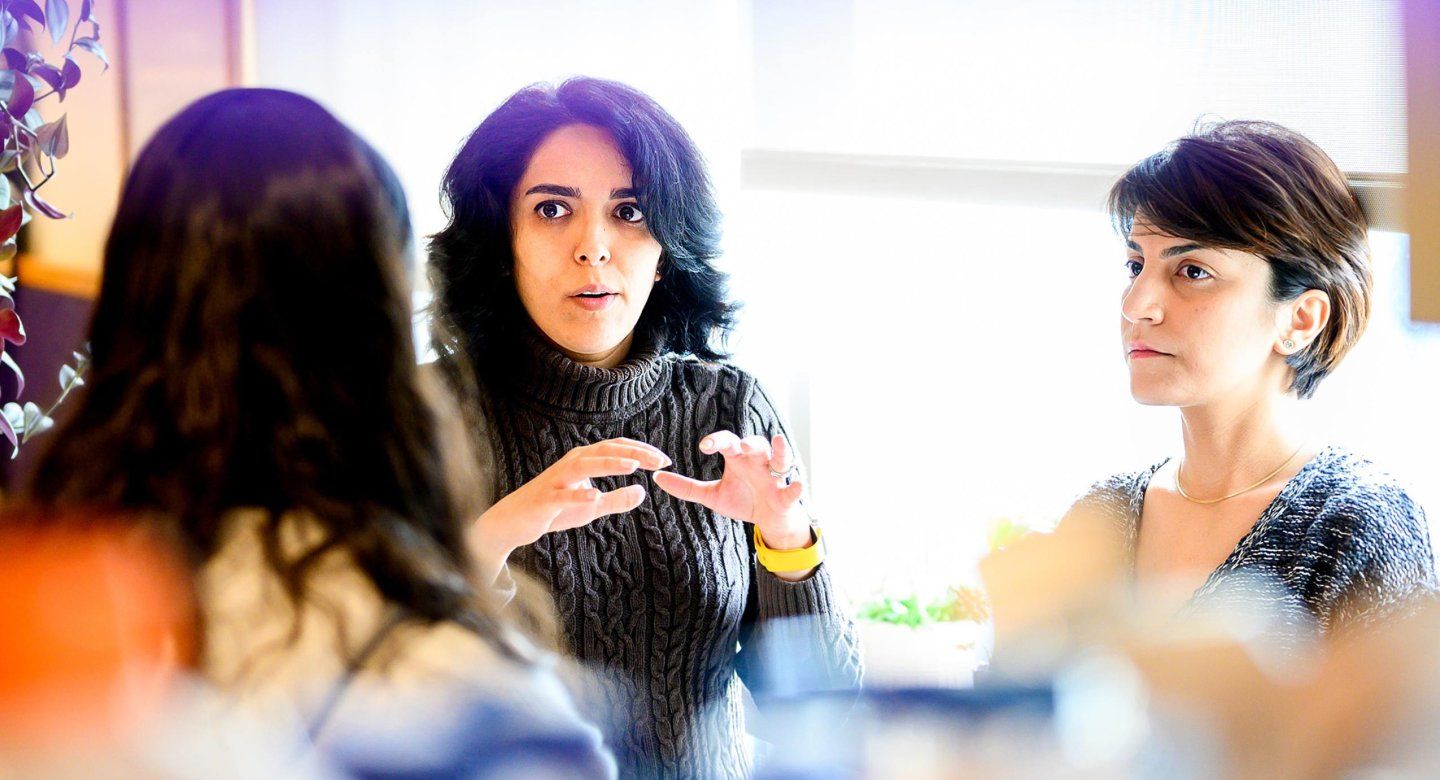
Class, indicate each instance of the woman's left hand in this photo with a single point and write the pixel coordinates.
(748, 490)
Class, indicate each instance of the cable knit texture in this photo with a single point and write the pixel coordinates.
(1342, 545)
(666, 602)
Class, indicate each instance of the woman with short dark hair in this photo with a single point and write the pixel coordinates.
(254, 396)
(576, 275)
(1249, 281)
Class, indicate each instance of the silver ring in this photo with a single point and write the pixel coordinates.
(785, 475)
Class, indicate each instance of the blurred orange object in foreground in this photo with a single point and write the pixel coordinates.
(95, 626)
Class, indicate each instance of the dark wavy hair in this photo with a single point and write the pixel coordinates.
(252, 347)
(477, 308)
(1261, 188)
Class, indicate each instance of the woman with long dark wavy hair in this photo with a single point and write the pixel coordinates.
(254, 396)
(577, 276)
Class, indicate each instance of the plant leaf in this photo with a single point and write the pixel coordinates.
(85, 8)
(10, 221)
(67, 375)
(22, 96)
(23, 8)
(15, 59)
(57, 13)
(34, 201)
(71, 72)
(50, 75)
(11, 328)
(9, 362)
(55, 138)
(93, 46)
(32, 414)
(8, 428)
(12, 28)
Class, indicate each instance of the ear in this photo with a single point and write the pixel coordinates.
(1301, 321)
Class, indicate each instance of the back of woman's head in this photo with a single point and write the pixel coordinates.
(252, 347)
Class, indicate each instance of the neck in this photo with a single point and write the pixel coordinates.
(1229, 446)
(605, 358)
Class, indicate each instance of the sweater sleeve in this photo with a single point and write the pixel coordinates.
(1370, 554)
(795, 636)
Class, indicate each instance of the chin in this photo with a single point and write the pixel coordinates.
(1148, 395)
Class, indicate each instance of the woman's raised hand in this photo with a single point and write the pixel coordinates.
(748, 489)
(562, 497)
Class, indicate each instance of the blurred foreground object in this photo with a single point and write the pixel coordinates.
(96, 626)
(1210, 690)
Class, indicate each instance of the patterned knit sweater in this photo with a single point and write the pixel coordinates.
(1342, 545)
(666, 602)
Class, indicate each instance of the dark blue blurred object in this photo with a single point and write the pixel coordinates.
(486, 740)
(828, 735)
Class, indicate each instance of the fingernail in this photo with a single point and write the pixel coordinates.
(706, 445)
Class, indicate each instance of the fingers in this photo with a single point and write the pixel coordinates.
(792, 493)
(730, 445)
(620, 500)
(685, 488)
(720, 443)
(781, 458)
(584, 468)
(590, 505)
(650, 458)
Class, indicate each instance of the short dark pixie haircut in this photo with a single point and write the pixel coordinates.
(1260, 188)
(477, 308)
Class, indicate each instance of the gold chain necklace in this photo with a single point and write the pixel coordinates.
(1263, 480)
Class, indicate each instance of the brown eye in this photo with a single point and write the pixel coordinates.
(1132, 268)
(552, 209)
(1194, 272)
(629, 212)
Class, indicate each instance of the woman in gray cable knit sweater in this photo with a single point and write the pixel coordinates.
(576, 276)
(1249, 281)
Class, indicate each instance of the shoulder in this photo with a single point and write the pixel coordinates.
(692, 370)
(1359, 505)
(718, 383)
(1116, 496)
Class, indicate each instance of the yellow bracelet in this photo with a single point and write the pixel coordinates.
(790, 560)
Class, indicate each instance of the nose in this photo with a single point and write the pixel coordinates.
(593, 248)
(1142, 300)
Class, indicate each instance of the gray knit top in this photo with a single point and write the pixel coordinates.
(1341, 545)
(665, 602)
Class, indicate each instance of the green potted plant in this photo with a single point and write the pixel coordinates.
(29, 149)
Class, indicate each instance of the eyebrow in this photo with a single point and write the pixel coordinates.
(554, 189)
(1170, 252)
(571, 192)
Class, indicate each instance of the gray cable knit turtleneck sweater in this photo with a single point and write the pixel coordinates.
(1342, 545)
(666, 603)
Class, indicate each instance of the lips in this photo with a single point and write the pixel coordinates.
(593, 291)
(1139, 349)
(594, 297)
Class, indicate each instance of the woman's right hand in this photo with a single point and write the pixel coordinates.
(562, 497)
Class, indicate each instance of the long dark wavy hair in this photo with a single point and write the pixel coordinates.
(252, 347)
(477, 309)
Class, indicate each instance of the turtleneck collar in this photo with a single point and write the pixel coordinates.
(547, 375)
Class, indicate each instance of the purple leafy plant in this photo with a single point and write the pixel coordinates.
(29, 148)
